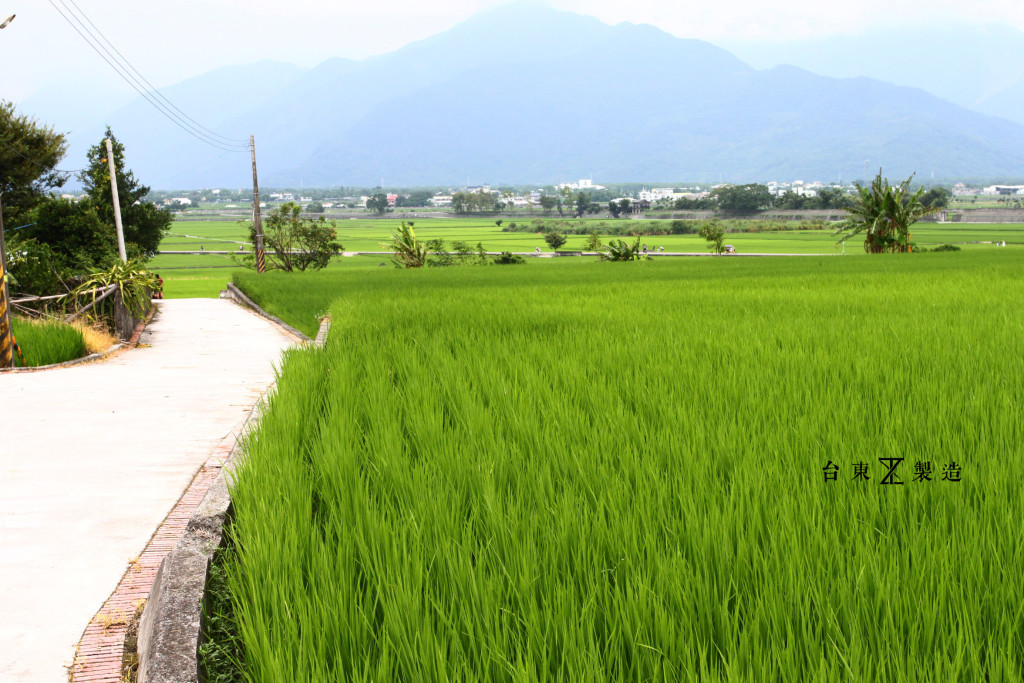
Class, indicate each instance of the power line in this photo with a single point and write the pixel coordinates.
(153, 89)
(122, 71)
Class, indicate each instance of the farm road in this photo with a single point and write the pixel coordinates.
(93, 457)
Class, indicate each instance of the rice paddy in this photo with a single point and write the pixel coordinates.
(611, 472)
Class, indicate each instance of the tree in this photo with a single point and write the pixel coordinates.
(29, 154)
(714, 233)
(466, 202)
(79, 239)
(884, 213)
(936, 198)
(593, 242)
(613, 209)
(294, 242)
(547, 202)
(624, 206)
(377, 203)
(144, 224)
(582, 202)
(739, 199)
(315, 207)
(555, 240)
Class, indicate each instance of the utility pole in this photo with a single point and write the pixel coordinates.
(261, 258)
(6, 336)
(117, 202)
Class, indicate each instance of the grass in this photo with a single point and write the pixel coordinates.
(47, 342)
(604, 472)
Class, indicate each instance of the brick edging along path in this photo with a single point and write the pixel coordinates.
(99, 653)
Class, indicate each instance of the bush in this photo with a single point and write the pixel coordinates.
(507, 258)
(946, 247)
(32, 268)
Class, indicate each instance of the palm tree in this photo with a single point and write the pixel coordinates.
(884, 213)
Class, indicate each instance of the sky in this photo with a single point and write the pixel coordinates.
(170, 41)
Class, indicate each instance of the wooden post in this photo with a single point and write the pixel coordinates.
(261, 262)
(6, 335)
(117, 202)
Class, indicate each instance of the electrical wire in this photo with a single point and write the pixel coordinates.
(152, 88)
(194, 168)
(39, 165)
(123, 72)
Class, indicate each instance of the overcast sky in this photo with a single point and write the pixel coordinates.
(171, 41)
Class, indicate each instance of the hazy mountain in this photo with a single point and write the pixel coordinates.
(978, 67)
(525, 93)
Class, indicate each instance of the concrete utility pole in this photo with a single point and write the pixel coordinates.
(117, 202)
(6, 336)
(261, 258)
(7, 21)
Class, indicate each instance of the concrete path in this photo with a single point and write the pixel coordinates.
(93, 457)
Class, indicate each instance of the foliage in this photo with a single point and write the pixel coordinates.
(409, 252)
(620, 250)
(884, 214)
(414, 198)
(32, 267)
(144, 224)
(555, 240)
(613, 209)
(936, 198)
(292, 241)
(473, 202)
(76, 233)
(593, 241)
(679, 227)
(714, 232)
(946, 247)
(222, 652)
(45, 342)
(378, 203)
(29, 155)
(741, 199)
(439, 256)
(582, 203)
(455, 462)
(315, 207)
(507, 258)
(134, 283)
(547, 202)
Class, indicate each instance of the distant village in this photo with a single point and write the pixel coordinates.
(516, 198)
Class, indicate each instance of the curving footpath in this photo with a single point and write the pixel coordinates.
(93, 457)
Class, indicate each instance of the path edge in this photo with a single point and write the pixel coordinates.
(237, 295)
(171, 628)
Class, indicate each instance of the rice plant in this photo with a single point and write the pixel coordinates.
(593, 474)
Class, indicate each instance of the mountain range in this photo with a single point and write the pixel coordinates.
(523, 93)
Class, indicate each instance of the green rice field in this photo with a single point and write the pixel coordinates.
(46, 342)
(206, 274)
(621, 472)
